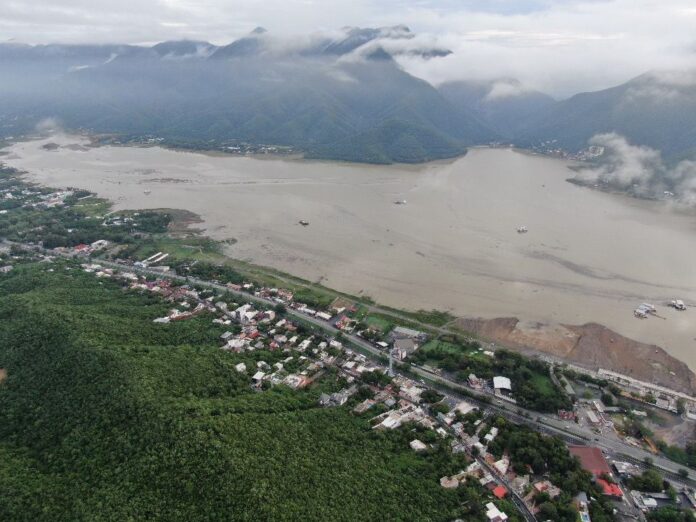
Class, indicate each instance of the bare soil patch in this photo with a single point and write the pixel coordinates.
(591, 345)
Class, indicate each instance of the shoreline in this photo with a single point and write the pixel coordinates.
(211, 231)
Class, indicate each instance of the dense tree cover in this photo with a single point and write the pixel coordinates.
(208, 271)
(577, 376)
(395, 140)
(543, 454)
(608, 399)
(106, 415)
(686, 455)
(531, 385)
(634, 427)
(650, 480)
(431, 396)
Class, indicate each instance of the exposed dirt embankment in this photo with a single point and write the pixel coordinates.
(590, 345)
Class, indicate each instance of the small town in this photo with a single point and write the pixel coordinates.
(405, 260)
(449, 394)
(381, 385)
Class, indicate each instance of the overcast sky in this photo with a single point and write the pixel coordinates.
(560, 46)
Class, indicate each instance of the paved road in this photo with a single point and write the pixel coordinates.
(516, 499)
(570, 432)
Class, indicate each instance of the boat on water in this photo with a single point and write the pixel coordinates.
(304, 222)
(147, 192)
(644, 310)
(678, 304)
(522, 230)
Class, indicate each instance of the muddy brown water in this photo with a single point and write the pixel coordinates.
(453, 245)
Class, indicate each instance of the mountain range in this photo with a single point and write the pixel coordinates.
(337, 96)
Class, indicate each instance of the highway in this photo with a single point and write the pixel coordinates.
(568, 431)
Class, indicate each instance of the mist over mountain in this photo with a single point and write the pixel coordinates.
(339, 95)
(657, 110)
(640, 171)
(504, 105)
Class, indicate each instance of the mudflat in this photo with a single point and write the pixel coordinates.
(451, 243)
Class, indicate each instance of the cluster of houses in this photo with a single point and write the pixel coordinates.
(402, 341)
(117, 220)
(30, 197)
(305, 358)
(592, 460)
(35, 198)
(83, 249)
(188, 301)
(501, 480)
(481, 474)
(252, 329)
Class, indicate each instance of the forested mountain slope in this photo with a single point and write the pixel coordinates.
(107, 416)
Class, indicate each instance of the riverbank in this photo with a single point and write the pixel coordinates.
(590, 345)
(453, 246)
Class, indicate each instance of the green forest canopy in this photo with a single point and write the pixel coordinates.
(108, 416)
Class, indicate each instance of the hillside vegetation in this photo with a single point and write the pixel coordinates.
(107, 416)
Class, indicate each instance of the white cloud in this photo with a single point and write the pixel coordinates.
(641, 171)
(48, 126)
(558, 46)
(505, 89)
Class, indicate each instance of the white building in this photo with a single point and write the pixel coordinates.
(417, 445)
(494, 514)
(502, 383)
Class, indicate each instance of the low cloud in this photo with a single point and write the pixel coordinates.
(640, 171)
(556, 46)
(506, 89)
(48, 126)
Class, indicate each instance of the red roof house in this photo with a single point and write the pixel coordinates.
(609, 489)
(592, 460)
(500, 492)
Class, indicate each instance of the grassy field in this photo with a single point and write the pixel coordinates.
(445, 347)
(378, 323)
(543, 384)
(93, 207)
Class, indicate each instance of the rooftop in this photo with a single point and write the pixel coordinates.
(500, 492)
(591, 459)
(502, 383)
